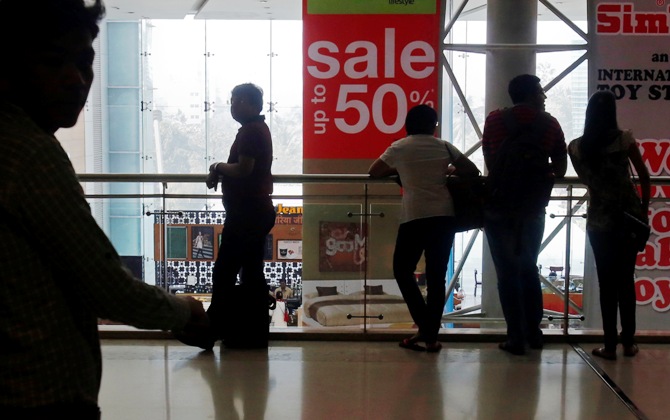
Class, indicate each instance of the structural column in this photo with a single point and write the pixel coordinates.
(511, 35)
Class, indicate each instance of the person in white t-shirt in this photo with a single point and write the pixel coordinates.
(422, 162)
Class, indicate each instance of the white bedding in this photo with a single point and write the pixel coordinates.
(333, 310)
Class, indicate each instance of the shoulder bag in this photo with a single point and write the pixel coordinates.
(638, 230)
(469, 197)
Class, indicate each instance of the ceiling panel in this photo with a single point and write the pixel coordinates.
(282, 9)
(204, 9)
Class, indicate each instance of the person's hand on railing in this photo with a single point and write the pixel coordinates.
(213, 178)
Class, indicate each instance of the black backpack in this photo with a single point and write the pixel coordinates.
(520, 179)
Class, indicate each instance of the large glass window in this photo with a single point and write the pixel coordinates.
(168, 112)
(167, 102)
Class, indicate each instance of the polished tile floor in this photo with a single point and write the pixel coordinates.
(163, 379)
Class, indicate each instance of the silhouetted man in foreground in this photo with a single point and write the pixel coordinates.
(58, 271)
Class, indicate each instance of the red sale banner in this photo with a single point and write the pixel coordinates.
(365, 65)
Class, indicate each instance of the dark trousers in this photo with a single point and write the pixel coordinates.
(515, 245)
(433, 237)
(241, 251)
(615, 263)
(79, 411)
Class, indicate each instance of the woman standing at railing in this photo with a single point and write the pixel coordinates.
(602, 158)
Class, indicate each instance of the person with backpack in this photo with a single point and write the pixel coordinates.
(603, 158)
(524, 151)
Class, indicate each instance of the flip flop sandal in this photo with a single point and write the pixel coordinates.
(410, 344)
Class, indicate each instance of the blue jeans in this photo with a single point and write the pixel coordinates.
(432, 236)
(515, 245)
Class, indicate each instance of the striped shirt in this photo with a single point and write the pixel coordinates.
(59, 273)
(495, 132)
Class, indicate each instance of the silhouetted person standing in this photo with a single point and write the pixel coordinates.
(521, 178)
(602, 157)
(246, 180)
(58, 271)
(423, 161)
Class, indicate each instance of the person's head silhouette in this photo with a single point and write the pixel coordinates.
(47, 49)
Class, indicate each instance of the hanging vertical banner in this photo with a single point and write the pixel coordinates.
(630, 57)
(365, 64)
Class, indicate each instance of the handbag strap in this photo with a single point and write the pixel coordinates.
(632, 177)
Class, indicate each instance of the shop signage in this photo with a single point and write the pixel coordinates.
(365, 64)
(629, 56)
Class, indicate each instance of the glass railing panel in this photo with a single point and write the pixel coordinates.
(561, 260)
(324, 242)
(384, 302)
(464, 282)
(335, 235)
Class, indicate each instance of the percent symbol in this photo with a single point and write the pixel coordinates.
(415, 97)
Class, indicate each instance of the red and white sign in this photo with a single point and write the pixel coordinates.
(629, 56)
(362, 72)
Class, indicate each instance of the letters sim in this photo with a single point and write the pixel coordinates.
(621, 18)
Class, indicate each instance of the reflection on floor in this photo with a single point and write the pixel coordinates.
(162, 379)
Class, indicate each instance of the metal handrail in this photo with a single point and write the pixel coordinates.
(298, 179)
(365, 179)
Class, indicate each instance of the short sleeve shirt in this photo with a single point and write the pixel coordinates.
(254, 140)
(422, 162)
(495, 132)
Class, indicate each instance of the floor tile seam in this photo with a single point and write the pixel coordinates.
(609, 382)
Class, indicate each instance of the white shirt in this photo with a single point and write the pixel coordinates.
(422, 161)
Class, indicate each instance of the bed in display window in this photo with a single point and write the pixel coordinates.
(330, 308)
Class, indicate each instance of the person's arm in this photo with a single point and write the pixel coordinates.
(559, 166)
(233, 170)
(642, 173)
(238, 169)
(559, 155)
(380, 169)
(55, 213)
